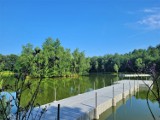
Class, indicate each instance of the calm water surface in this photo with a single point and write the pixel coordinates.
(134, 108)
(52, 89)
(60, 88)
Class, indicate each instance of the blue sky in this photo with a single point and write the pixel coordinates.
(97, 27)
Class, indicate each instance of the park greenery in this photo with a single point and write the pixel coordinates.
(59, 61)
(53, 60)
(139, 60)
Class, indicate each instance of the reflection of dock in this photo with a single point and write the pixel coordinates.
(90, 105)
(112, 110)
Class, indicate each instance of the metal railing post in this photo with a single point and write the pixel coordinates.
(58, 112)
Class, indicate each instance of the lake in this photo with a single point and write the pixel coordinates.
(135, 107)
(60, 88)
(52, 89)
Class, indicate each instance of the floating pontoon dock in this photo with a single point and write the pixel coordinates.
(135, 75)
(90, 105)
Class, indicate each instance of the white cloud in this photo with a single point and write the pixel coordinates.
(152, 21)
(151, 10)
(149, 20)
(148, 10)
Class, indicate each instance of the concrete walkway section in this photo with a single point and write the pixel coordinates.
(90, 105)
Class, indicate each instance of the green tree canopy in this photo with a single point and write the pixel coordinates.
(116, 68)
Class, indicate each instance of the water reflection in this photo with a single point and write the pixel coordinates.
(8, 96)
(133, 108)
(60, 88)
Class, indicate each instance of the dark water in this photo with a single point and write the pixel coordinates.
(134, 108)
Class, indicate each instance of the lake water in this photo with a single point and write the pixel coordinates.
(133, 108)
(52, 89)
(60, 88)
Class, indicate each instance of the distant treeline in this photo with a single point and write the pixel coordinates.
(53, 60)
(141, 60)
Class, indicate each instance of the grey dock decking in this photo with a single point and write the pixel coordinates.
(135, 75)
(83, 106)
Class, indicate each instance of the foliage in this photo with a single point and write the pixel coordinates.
(59, 61)
(116, 68)
(152, 94)
(56, 60)
(19, 86)
(4, 107)
(140, 59)
(7, 63)
(6, 73)
(139, 64)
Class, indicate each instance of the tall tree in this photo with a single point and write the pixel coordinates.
(139, 64)
(116, 68)
(25, 61)
(10, 61)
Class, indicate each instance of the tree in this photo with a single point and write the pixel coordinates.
(20, 86)
(49, 54)
(2, 63)
(75, 61)
(139, 64)
(10, 61)
(83, 64)
(116, 68)
(94, 64)
(25, 60)
(65, 62)
(80, 64)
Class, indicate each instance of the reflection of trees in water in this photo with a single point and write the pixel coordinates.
(4, 107)
(152, 93)
(66, 87)
(143, 93)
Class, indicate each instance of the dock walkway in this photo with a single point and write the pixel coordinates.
(90, 105)
(135, 75)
